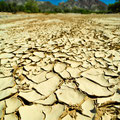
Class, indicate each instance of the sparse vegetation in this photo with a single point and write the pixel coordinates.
(31, 6)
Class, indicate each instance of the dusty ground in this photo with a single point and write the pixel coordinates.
(59, 67)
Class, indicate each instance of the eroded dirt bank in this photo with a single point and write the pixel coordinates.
(59, 67)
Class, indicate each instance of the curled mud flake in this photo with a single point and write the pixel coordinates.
(34, 58)
(96, 75)
(55, 112)
(82, 117)
(69, 96)
(39, 54)
(106, 117)
(48, 67)
(6, 55)
(99, 54)
(31, 96)
(119, 67)
(33, 112)
(74, 72)
(21, 50)
(6, 82)
(10, 49)
(49, 86)
(114, 98)
(38, 78)
(50, 75)
(10, 117)
(6, 72)
(73, 63)
(67, 117)
(65, 74)
(59, 67)
(2, 109)
(12, 104)
(4, 61)
(87, 108)
(48, 100)
(7, 93)
(92, 88)
(29, 68)
(110, 73)
(58, 55)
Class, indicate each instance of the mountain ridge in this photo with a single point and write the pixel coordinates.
(95, 5)
(85, 4)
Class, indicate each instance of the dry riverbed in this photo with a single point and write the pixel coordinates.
(59, 67)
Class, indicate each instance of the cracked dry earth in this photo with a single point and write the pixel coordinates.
(59, 67)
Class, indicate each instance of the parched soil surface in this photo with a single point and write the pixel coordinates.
(59, 67)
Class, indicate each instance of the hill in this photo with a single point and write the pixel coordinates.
(85, 4)
(95, 5)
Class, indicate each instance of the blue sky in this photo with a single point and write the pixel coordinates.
(57, 1)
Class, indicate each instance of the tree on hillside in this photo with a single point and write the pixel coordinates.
(31, 6)
(3, 6)
(115, 8)
(14, 8)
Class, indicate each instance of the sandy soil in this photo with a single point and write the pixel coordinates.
(59, 67)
